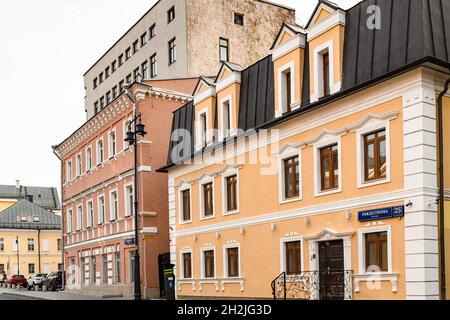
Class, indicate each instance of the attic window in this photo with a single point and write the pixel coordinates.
(238, 19)
(23, 219)
(326, 73)
(36, 219)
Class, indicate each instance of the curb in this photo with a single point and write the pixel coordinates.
(23, 295)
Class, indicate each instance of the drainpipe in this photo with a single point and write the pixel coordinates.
(441, 189)
(39, 250)
(63, 282)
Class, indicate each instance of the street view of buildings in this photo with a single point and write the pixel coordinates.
(230, 152)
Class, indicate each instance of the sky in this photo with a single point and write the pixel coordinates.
(45, 48)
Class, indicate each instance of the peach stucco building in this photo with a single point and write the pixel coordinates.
(98, 195)
(313, 173)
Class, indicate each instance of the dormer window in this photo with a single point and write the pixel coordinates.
(326, 73)
(286, 87)
(203, 129)
(288, 90)
(226, 119)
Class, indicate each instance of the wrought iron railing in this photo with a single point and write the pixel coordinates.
(314, 285)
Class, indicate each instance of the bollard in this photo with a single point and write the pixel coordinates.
(36, 288)
(9, 286)
(44, 287)
(13, 286)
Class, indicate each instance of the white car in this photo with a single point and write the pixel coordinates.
(36, 280)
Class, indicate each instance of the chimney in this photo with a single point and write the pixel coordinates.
(18, 184)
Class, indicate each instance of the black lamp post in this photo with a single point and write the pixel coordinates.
(132, 137)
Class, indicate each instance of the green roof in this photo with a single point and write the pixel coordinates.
(42, 196)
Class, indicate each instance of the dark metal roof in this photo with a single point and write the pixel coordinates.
(12, 217)
(44, 197)
(182, 141)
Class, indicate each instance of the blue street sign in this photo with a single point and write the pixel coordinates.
(129, 242)
(378, 214)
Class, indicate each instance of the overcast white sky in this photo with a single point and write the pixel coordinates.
(45, 48)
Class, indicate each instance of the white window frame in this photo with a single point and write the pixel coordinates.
(326, 140)
(206, 180)
(182, 188)
(372, 126)
(362, 248)
(79, 217)
(225, 260)
(283, 242)
(111, 205)
(182, 252)
(232, 132)
(101, 221)
(100, 153)
(89, 218)
(79, 165)
(69, 220)
(281, 86)
(112, 153)
(125, 129)
(318, 67)
(69, 171)
(286, 154)
(202, 262)
(228, 173)
(88, 158)
(198, 126)
(127, 201)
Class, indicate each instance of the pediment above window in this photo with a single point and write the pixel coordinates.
(326, 135)
(205, 88)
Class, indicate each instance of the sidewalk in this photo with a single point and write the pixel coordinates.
(56, 295)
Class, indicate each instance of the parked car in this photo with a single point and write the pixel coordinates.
(36, 280)
(18, 279)
(53, 281)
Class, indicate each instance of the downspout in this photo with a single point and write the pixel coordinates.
(39, 250)
(441, 190)
(63, 282)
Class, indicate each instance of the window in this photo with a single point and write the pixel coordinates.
(69, 171)
(114, 92)
(127, 54)
(45, 245)
(59, 244)
(31, 269)
(129, 201)
(95, 83)
(136, 74)
(226, 119)
(107, 72)
(152, 32)
(375, 155)
(30, 244)
(121, 86)
(132, 266)
(108, 97)
(286, 88)
(69, 221)
(100, 77)
(376, 252)
(114, 205)
(203, 130)
(2, 244)
(232, 262)
(129, 79)
(291, 177)
(79, 218)
(144, 70)
(2, 267)
(121, 60)
(15, 244)
(172, 51)
(171, 15)
(223, 49)
(187, 265)
(93, 268)
(102, 102)
(329, 168)
(105, 269)
(208, 264)
(326, 73)
(88, 158)
(113, 66)
(117, 277)
(293, 257)
(112, 144)
(238, 19)
(79, 169)
(126, 128)
(90, 214)
(101, 210)
(231, 183)
(96, 107)
(153, 66)
(100, 157)
(135, 46)
(83, 270)
(143, 39)
(208, 204)
(186, 205)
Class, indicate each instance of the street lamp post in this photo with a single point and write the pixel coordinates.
(17, 248)
(132, 138)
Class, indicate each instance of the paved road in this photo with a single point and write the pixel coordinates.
(5, 296)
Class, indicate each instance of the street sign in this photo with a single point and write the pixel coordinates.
(379, 214)
(129, 242)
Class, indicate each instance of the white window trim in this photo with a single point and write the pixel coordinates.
(127, 204)
(372, 126)
(98, 151)
(182, 188)
(110, 151)
(326, 140)
(202, 262)
(206, 180)
(98, 209)
(89, 222)
(111, 206)
(88, 168)
(69, 221)
(294, 105)
(198, 144)
(286, 154)
(225, 260)
(79, 165)
(69, 171)
(233, 130)
(79, 217)
(283, 242)
(228, 173)
(182, 252)
(362, 248)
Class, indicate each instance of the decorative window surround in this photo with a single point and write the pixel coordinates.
(181, 277)
(204, 280)
(239, 281)
(127, 201)
(226, 246)
(213, 281)
(205, 180)
(336, 18)
(297, 41)
(198, 125)
(281, 88)
(371, 123)
(112, 153)
(111, 204)
(89, 161)
(183, 187)
(233, 130)
(230, 171)
(288, 151)
(186, 281)
(324, 139)
(290, 237)
(376, 276)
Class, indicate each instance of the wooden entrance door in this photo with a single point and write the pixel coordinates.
(331, 270)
